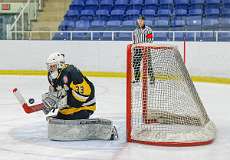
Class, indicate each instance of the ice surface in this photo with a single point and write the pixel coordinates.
(24, 136)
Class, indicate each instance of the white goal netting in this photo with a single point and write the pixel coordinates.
(163, 106)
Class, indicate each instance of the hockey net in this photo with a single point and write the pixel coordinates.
(163, 106)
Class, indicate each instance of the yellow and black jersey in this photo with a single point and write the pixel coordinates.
(80, 91)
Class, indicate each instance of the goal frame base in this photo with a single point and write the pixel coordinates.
(173, 144)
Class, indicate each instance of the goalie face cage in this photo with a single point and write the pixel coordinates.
(165, 111)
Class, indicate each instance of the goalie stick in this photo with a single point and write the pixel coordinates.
(28, 109)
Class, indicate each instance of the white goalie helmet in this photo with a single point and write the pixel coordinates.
(54, 63)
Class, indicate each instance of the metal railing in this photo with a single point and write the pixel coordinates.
(115, 35)
(22, 22)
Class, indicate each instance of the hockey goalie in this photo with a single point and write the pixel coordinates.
(73, 95)
(71, 92)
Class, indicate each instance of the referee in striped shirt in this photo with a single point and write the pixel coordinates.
(142, 34)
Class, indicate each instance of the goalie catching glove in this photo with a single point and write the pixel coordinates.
(54, 100)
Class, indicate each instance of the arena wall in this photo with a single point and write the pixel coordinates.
(209, 59)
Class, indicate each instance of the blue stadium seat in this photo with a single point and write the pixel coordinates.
(102, 14)
(67, 25)
(61, 36)
(136, 4)
(122, 36)
(208, 36)
(166, 2)
(162, 36)
(210, 23)
(87, 14)
(97, 25)
(149, 14)
(183, 3)
(224, 36)
(82, 25)
(106, 4)
(226, 2)
(121, 4)
(212, 2)
(194, 23)
(197, 2)
(196, 6)
(134, 7)
(91, 4)
(162, 24)
(109, 8)
(195, 12)
(117, 14)
(212, 11)
(225, 12)
(179, 24)
(150, 4)
(72, 15)
(225, 23)
(149, 23)
(164, 12)
(181, 7)
(113, 25)
(81, 36)
(180, 12)
(94, 8)
(129, 25)
(132, 14)
(77, 5)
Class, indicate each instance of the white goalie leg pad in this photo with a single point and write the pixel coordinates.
(83, 129)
